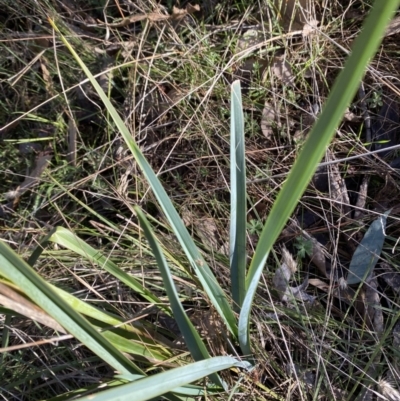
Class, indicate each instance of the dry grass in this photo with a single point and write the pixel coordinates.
(170, 80)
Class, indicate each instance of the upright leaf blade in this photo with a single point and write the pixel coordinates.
(314, 148)
(238, 199)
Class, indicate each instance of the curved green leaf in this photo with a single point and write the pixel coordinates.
(345, 87)
(185, 391)
(133, 347)
(161, 383)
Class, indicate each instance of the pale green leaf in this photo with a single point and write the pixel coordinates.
(192, 339)
(16, 270)
(162, 383)
(197, 262)
(67, 239)
(364, 48)
(368, 251)
(238, 199)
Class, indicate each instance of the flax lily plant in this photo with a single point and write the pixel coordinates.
(69, 311)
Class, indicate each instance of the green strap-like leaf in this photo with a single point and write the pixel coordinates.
(342, 93)
(238, 199)
(190, 334)
(16, 270)
(181, 393)
(197, 262)
(153, 386)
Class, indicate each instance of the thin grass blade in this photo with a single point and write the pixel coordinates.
(197, 262)
(314, 148)
(238, 199)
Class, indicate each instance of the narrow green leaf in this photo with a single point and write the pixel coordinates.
(368, 252)
(238, 199)
(314, 148)
(197, 262)
(192, 339)
(143, 336)
(161, 383)
(16, 270)
(67, 239)
(187, 391)
(91, 311)
(141, 343)
(133, 347)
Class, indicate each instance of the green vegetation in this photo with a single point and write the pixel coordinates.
(148, 250)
